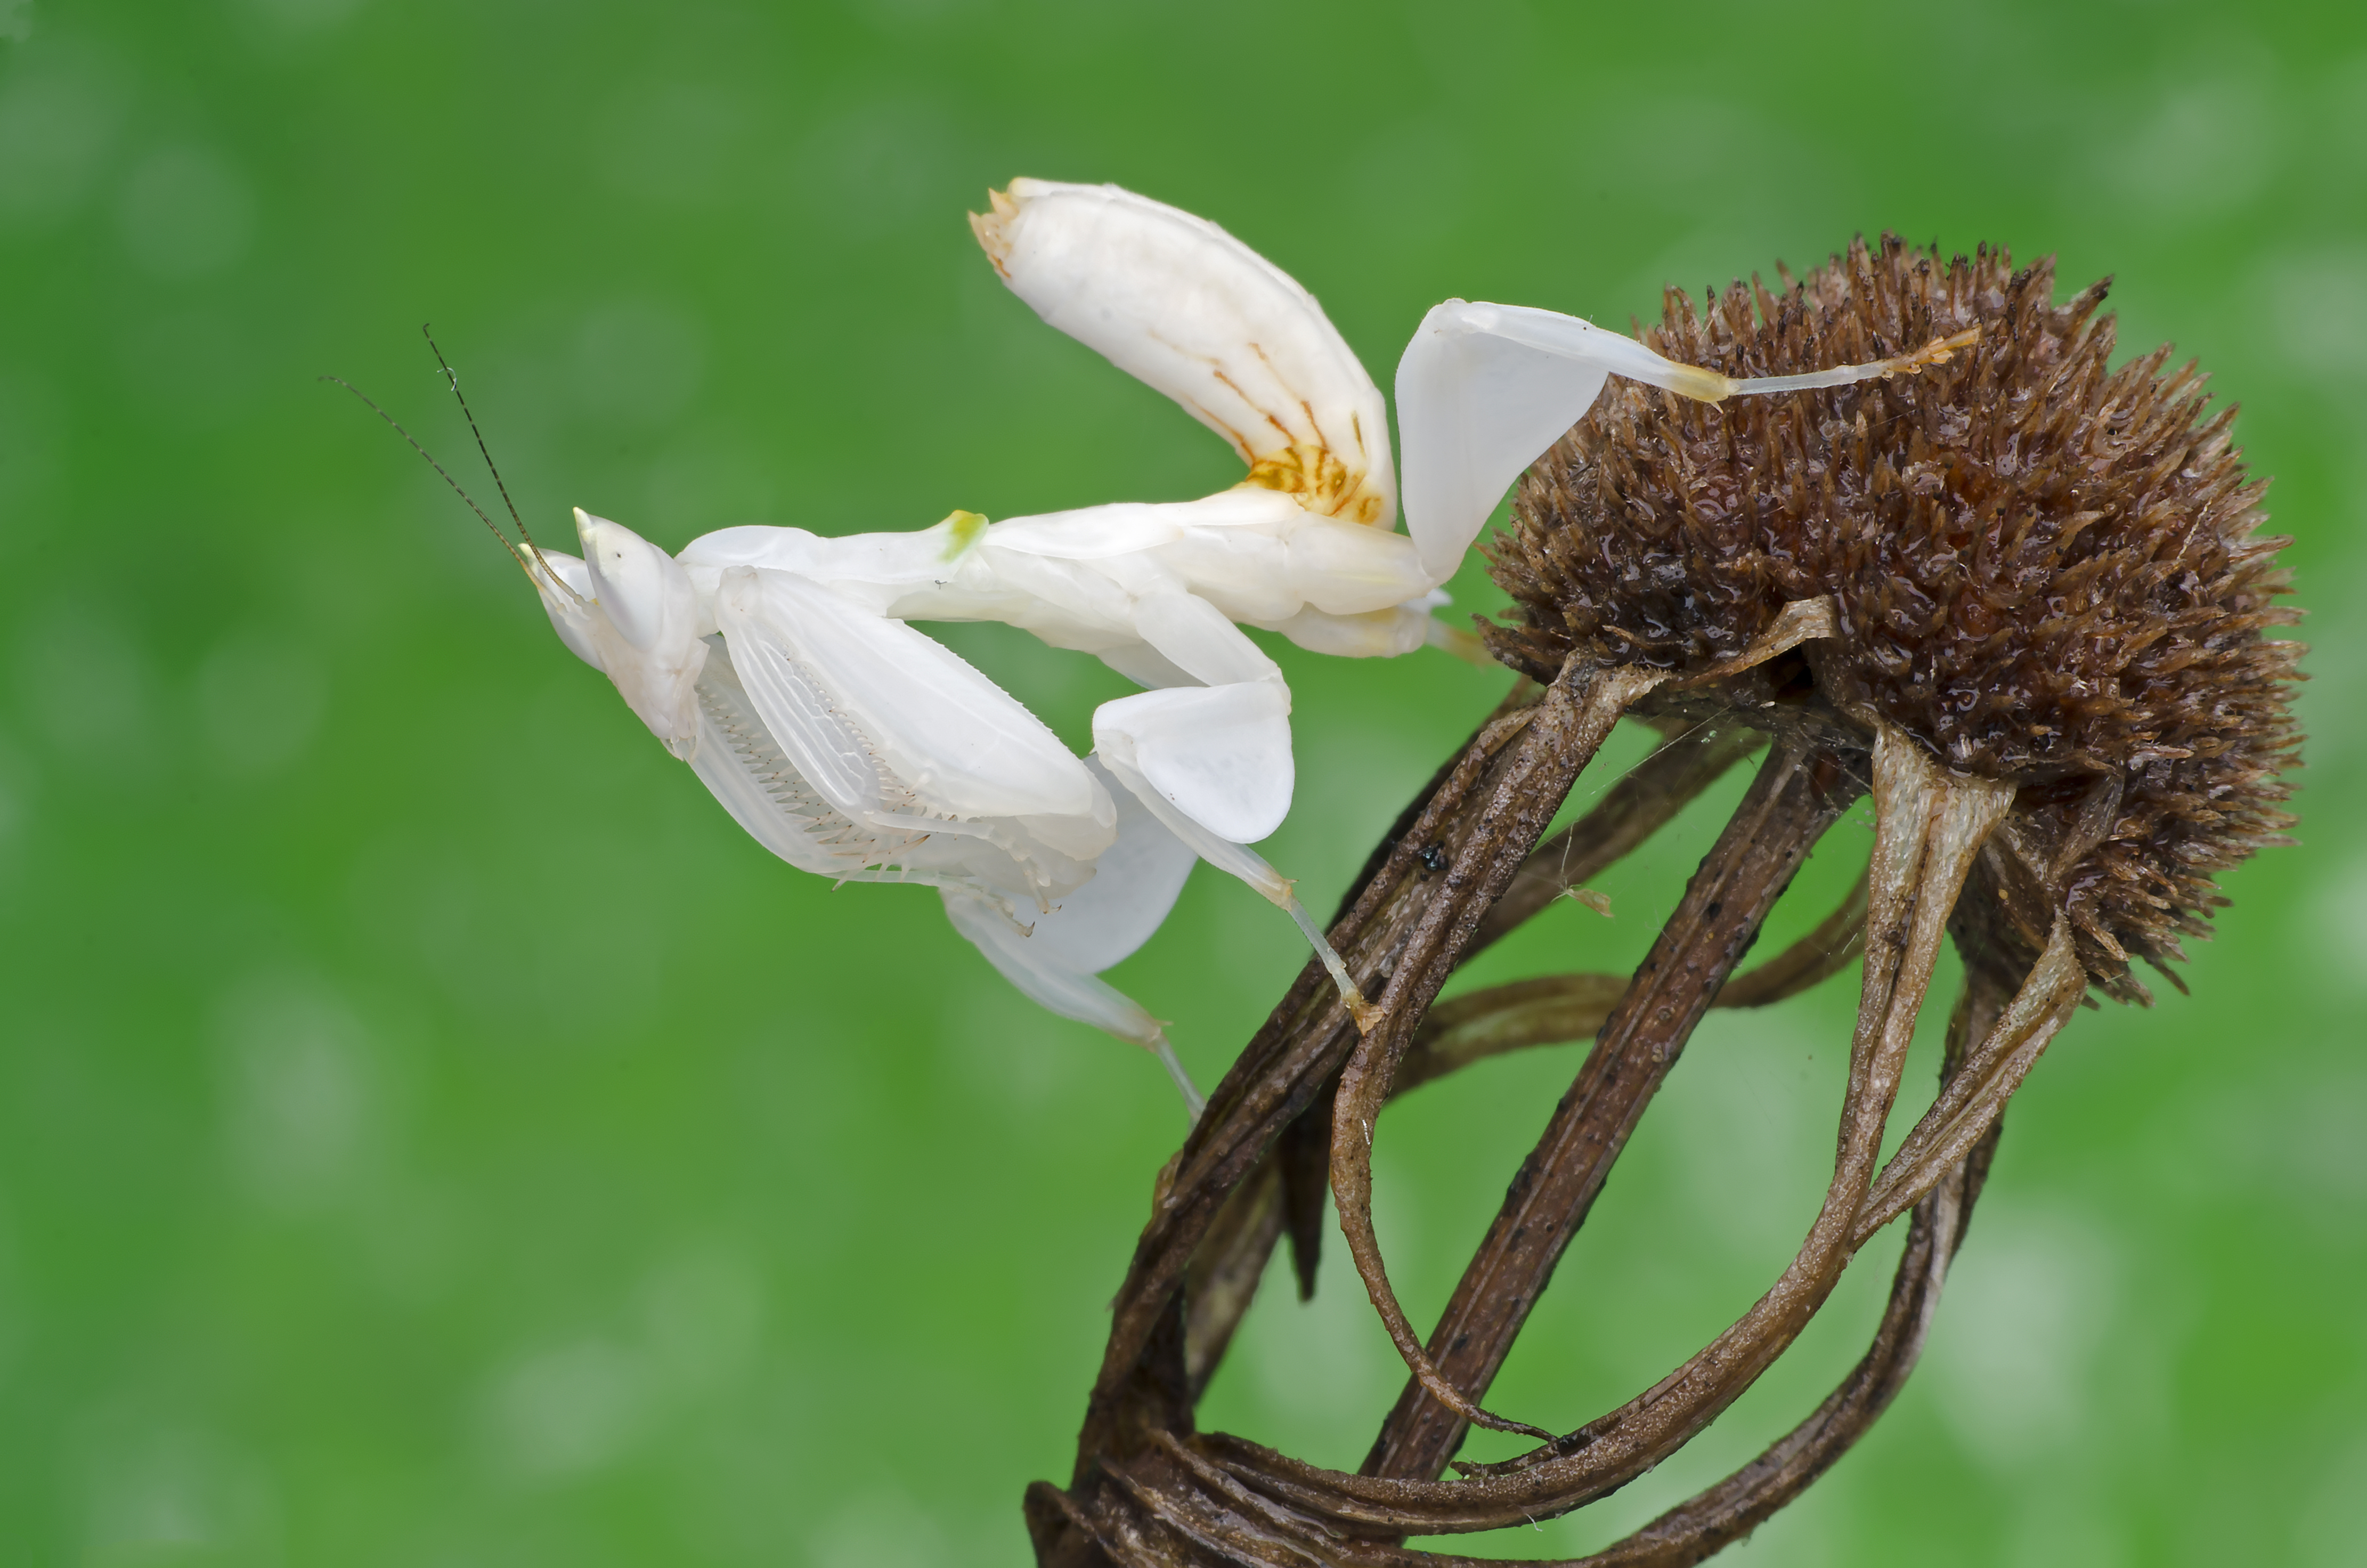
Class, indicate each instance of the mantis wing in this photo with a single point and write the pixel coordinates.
(961, 744)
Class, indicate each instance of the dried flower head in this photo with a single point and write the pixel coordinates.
(1908, 531)
(2044, 569)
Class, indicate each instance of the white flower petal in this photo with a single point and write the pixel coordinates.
(1483, 390)
(1220, 755)
(1194, 636)
(1135, 882)
(1182, 306)
(1377, 634)
(1042, 978)
(1344, 570)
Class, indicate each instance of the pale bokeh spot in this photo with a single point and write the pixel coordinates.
(159, 1494)
(60, 114)
(703, 1314)
(299, 1091)
(2062, 1525)
(2201, 147)
(1758, 1139)
(674, 143)
(185, 212)
(2331, 1531)
(882, 1530)
(567, 1409)
(2317, 305)
(639, 362)
(83, 678)
(2012, 1357)
(260, 696)
(2337, 925)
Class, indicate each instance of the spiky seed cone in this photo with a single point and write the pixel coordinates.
(2046, 569)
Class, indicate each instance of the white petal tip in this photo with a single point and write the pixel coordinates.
(992, 231)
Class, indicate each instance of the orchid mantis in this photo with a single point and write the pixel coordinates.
(855, 747)
(780, 665)
(1305, 544)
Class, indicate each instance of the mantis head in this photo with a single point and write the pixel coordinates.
(628, 610)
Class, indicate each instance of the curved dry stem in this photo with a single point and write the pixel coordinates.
(1285, 1067)
(1718, 1516)
(1225, 1272)
(1182, 1508)
(1578, 725)
(1555, 1009)
(1929, 825)
(1642, 802)
(1800, 621)
(1552, 1009)
(1798, 793)
(1657, 788)
(1975, 1097)
(1835, 944)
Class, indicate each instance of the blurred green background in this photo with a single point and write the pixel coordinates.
(432, 1135)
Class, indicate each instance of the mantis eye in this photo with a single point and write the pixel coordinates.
(632, 579)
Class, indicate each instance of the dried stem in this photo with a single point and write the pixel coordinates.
(1794, 798)
(1929, 825)
(1574, 725)
(1233, 1256)
(1972, 1101)
(1148, 1492)
(1556, 1008)
(1645, 800)
(1640, 804)
(1299, 1051)
(1225, 1272)
(1722, 1514)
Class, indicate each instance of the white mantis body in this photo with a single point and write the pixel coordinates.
(780, 664)
(854, 747)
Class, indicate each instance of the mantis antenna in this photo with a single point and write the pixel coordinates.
(452, 378)
(443, 473)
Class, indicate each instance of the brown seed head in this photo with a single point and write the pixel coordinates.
(2046, 569)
